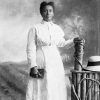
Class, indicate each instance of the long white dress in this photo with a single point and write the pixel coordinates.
(42, 51)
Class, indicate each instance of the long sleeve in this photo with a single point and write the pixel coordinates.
(31, 48)
(61, 42)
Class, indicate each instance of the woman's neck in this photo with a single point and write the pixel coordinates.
(47, 20)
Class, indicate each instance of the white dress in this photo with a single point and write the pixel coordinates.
(42, 51)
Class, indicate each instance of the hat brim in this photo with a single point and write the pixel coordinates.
(92, 68)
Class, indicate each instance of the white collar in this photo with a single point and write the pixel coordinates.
(45, 22)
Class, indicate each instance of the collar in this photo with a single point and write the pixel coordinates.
(45, 22)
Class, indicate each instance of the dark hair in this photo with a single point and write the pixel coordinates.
(44, 4)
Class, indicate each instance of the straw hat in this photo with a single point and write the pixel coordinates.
(93, 63)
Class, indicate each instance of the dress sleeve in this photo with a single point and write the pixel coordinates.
(31, 48)
(61, 40)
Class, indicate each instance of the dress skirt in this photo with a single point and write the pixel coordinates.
(52, 86)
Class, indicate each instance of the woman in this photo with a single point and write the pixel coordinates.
(42, 52)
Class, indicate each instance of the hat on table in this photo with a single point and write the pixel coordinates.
(93, 63)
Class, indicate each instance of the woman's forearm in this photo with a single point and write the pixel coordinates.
(67, 43)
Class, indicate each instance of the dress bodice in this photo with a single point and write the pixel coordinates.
(48, 33)
(44, 34)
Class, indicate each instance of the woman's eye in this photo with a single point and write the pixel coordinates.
(50, 10)
(45, 11)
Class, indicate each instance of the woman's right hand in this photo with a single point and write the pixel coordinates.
(34, 72)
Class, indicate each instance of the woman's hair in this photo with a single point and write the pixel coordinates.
(44, 4)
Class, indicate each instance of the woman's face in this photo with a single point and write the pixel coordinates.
(48, 13)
